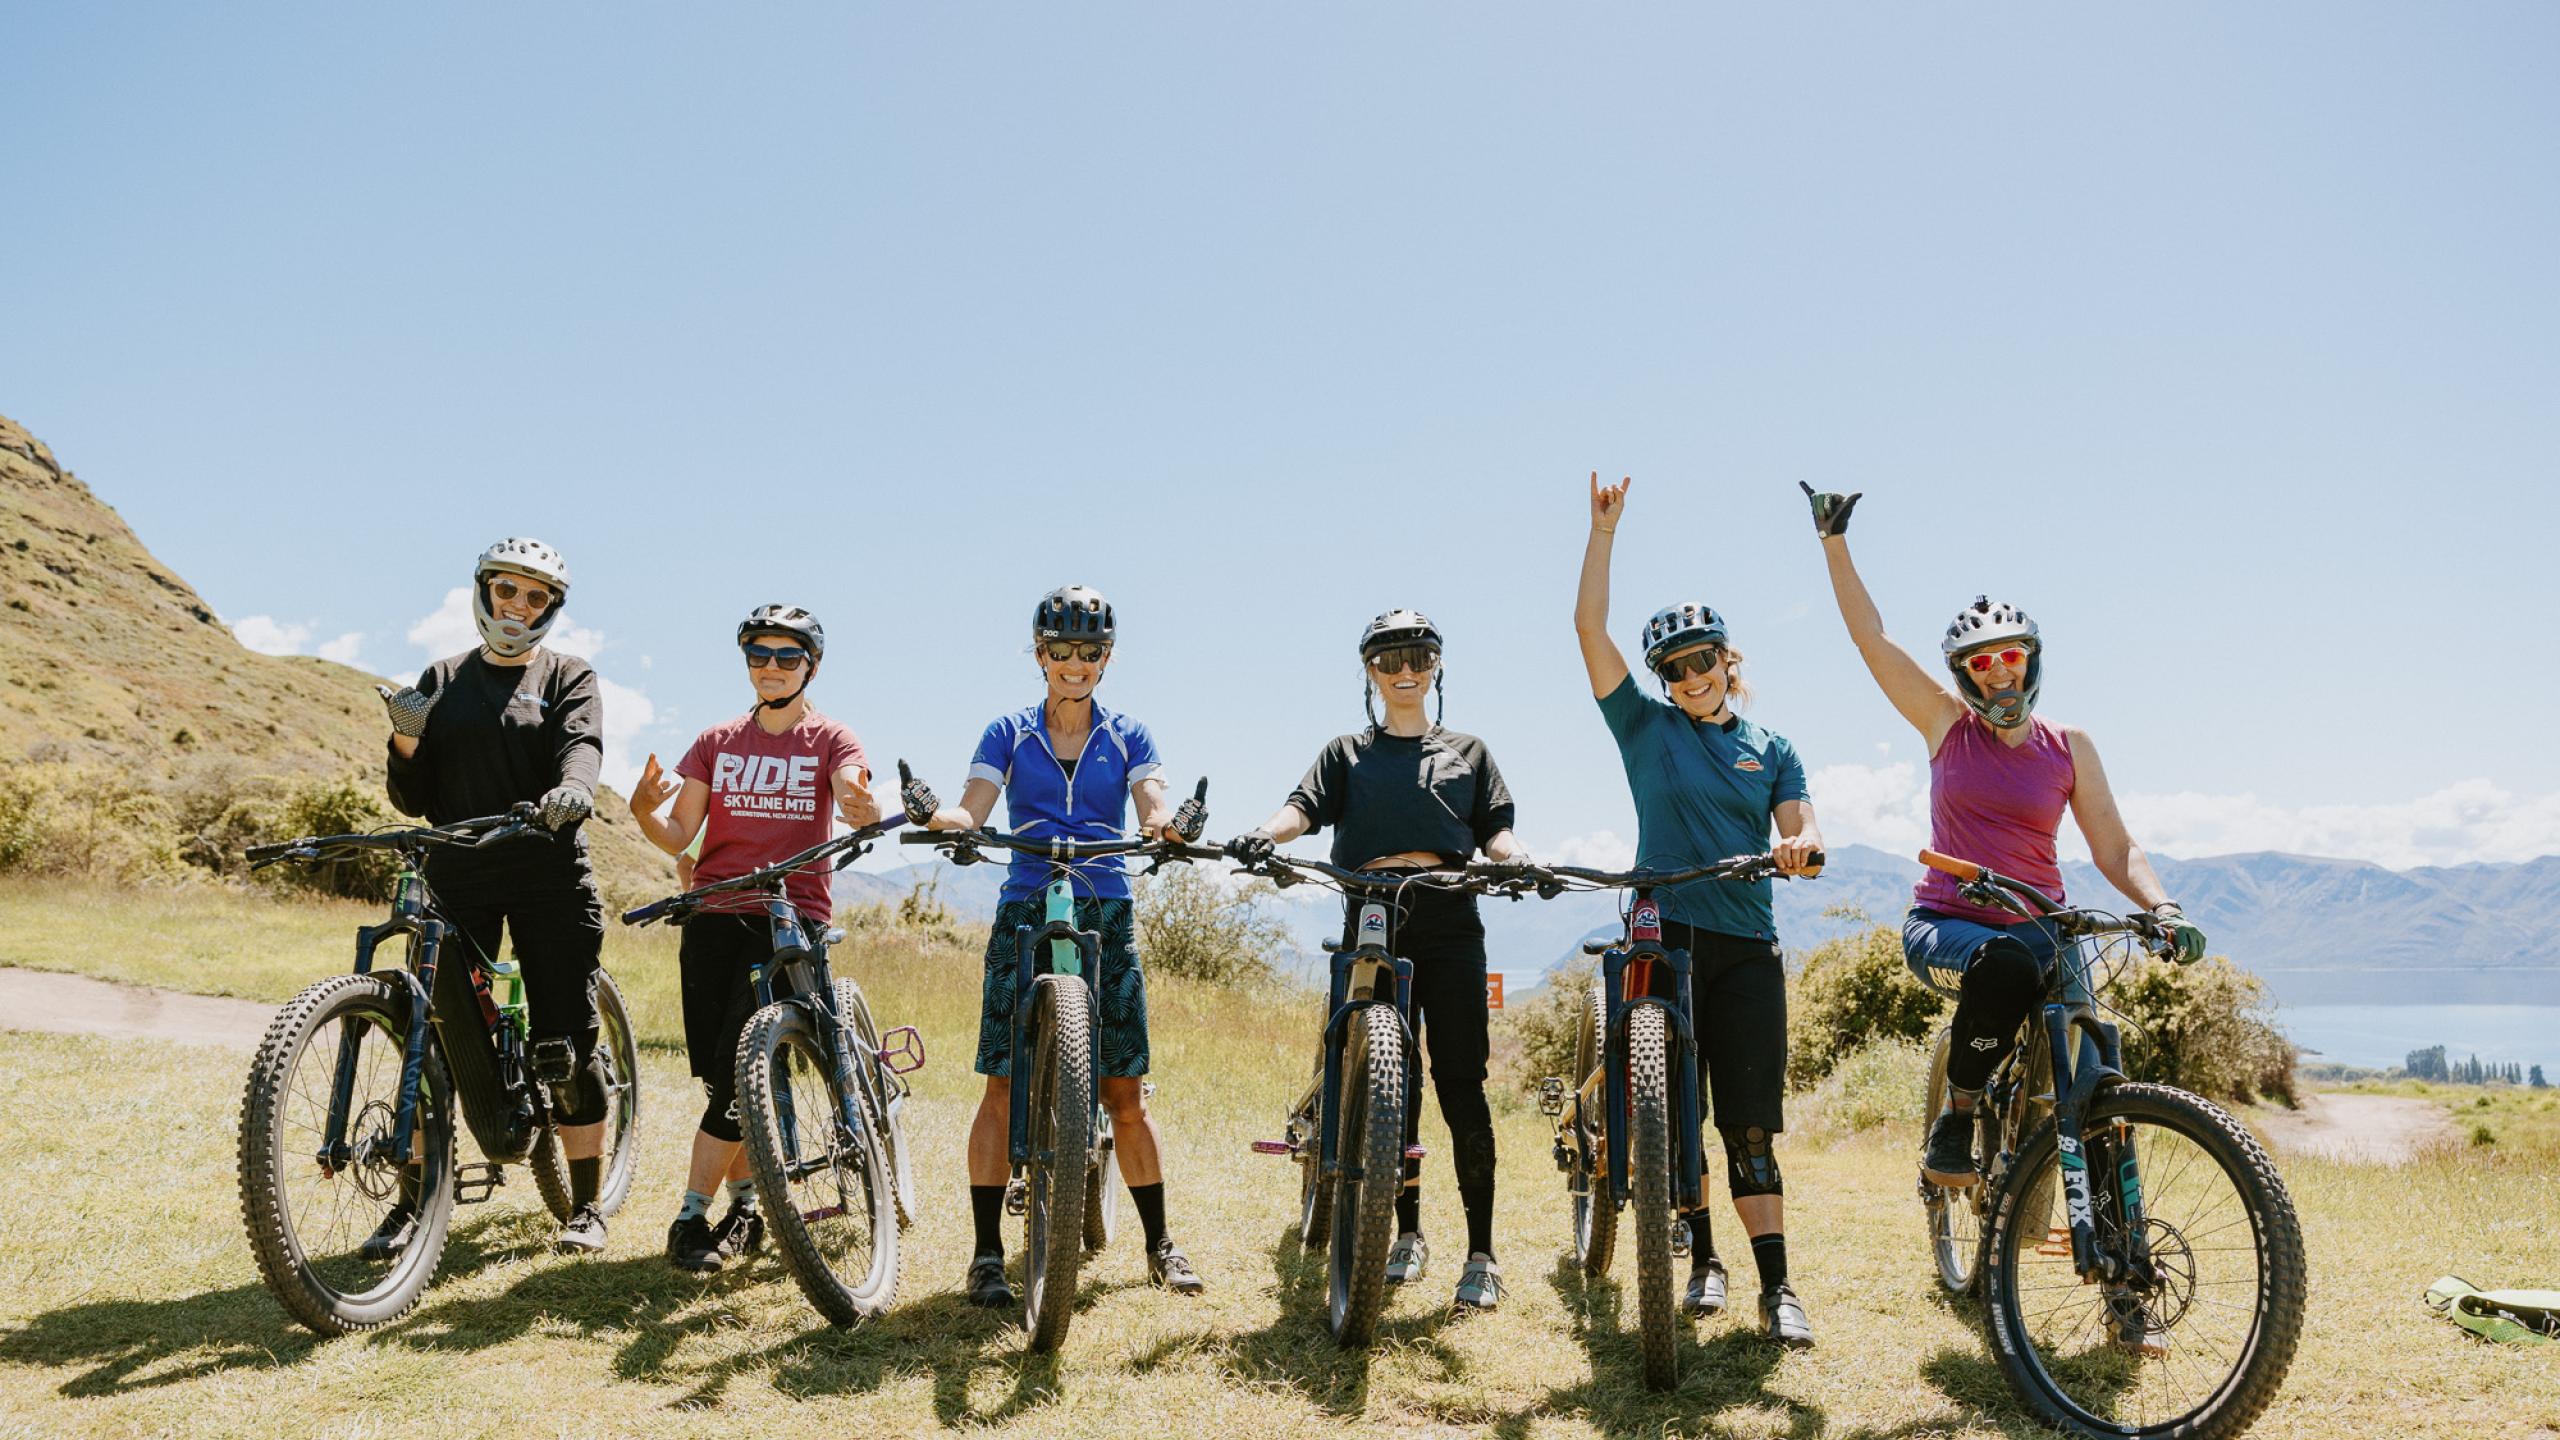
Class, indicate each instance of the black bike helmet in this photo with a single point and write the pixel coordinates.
(788, 620)
(1074, 612)
(1989, 622)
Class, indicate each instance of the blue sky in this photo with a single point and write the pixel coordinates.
(2219, 337)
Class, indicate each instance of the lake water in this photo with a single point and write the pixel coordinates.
(2382, 1035)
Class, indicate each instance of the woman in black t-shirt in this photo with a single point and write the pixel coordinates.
(1407, 794)
(506, 722)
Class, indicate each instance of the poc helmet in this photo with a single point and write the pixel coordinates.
(1680, 627)
(1074, 612)
(788, 620)
(533, 560)
(1989, 622)
(1398, 627)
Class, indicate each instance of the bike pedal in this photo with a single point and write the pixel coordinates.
(1017, 1197)
(1274, 1147)
(1551, 1096)
(473, 1184)
(902, 1050)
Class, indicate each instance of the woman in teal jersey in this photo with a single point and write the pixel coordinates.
(1707, 785)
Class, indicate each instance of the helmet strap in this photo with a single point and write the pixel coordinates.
(784, 703)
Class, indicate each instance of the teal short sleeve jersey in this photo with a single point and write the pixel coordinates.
(1703, 793)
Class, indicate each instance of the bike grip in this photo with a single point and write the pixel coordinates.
(1964, 870)
(1813, 864)
(644, 914)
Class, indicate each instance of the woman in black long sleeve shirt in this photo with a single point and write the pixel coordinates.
(1407, 794)
(479, 732)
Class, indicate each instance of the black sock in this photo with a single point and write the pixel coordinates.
(1149, 1200)
(1769, 1252)
(583, 1178)
(986, 1208)
(1477, 1197)
(1702, 1239)
(1409, 1210)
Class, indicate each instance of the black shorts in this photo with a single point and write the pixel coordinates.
(716, 960)
(1738, 1011)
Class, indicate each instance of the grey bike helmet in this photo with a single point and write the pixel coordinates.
(1990, 622)
(1680, 627)
(788, 620)
(1074, 612)
(533, 560)
(1398, 627)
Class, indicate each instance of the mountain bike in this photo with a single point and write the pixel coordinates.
(822, 1092)
(1627, 1121)
(358, 1080)
(1352, 1131)
(2169, 1299)
(1059, 1136)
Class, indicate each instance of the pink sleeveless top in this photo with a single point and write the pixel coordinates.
(1999, 807)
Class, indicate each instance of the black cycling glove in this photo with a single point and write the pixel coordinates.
(1252, 847)
(1192, 815)
(916, 796)
(1830, 509)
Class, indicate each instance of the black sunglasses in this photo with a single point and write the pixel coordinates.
(786, 656)
(1696, 662)
(1063, 651)
(1397, 659)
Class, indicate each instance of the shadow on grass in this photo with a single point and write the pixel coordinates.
(1298, 1349)
(119, 1346)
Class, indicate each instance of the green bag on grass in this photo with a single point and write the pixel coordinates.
(2508, 1316)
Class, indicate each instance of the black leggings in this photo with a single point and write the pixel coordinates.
(558, 932)
(1444, 939)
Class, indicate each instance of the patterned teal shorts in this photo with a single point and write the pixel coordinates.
(1120, 985)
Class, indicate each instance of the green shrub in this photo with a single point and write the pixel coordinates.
(58, 818)
(1881, 1084)
(1550, 1024)
(1854, 990)
(2206, 1028)
(1190, 925)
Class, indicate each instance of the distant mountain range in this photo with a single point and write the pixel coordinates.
(2321, 932)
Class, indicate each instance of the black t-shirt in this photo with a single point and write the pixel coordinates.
(1386, 794)
(500, 734)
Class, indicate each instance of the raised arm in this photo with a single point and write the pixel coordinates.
(1920, 697)
(1600, 655)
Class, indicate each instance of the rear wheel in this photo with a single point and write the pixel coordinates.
(1102, 1194)
(1315, 1197)
(814, 1147)
(621, 1060)
(309, 1209)
(1595, 1201)
(888, 1096)
(1955, 1216)
(1369, 1142)
(1061, 1123)
(2197, 1342)
(1649, 1186)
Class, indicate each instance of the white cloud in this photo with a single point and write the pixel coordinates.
(571, 638)
(269, 636)
(1599, 850)
(627, 713)
(1887, 806)
(448, 629)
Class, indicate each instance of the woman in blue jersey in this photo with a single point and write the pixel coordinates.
(1707, 785)
(1070, 768)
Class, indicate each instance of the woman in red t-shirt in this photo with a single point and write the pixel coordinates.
(757, 789)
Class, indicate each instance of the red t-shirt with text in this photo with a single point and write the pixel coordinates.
(771, 798)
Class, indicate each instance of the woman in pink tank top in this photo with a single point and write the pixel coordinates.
(2000, 777)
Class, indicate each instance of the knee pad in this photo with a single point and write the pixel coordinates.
(2004, 972)
(1751, 1166)
(720, 1112)
(1473, 1151)
(574, 1071)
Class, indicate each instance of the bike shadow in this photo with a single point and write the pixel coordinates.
(1731, 1369)
(1297, 1350)
(122, 1346)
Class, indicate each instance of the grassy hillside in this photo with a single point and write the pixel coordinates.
(133, 1308)
(166, 701)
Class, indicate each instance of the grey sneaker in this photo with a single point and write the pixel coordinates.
(1170, 1268)
(1782, 1316)
(390, 1240)
(1706, 1290)
(1479, 1284)
(584, 1232)
(1407, 1259)
(1947, 1160)
(986, 1283)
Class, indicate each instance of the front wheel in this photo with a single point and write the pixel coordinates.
(620, 1056)
(1595, 1199)
(2198, 1338)
(1369, 1144)
(311, 1196)
(813, 1145)
(1649, 1186)
(1061, 1125)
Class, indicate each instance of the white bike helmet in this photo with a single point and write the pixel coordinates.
(533, 560)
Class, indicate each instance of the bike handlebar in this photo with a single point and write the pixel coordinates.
(462, 834)
(1549, 881)
(849, 845)
(1057, 850)
(1983, 885)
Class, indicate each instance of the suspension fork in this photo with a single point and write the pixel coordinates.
(2087, 1057)
(1060, 937)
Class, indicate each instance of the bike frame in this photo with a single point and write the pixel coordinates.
(1066, 951)
(801, 960)
(1362, 965)
(1639, 971)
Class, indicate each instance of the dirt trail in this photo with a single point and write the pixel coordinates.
(76, 1005)
(2374, 1129)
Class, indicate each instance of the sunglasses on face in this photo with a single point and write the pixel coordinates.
(533, 595)
(789, 657)
(1397, 659)
(1696, 662)
(1063, 651)
(1981, 663)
